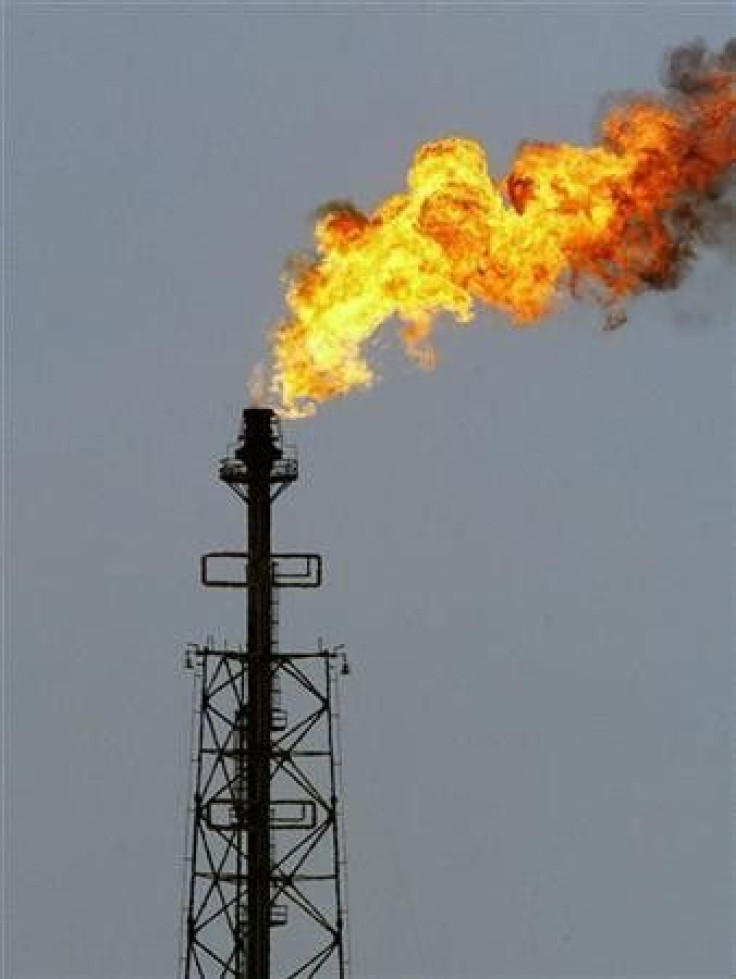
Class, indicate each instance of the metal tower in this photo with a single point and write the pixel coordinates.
(264, 846)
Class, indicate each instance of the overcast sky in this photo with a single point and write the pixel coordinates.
(527, 552)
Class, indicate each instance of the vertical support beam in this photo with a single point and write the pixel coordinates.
(258, 454)
(190, 922)
(335, 819)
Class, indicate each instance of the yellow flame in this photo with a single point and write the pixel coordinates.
(608, 220)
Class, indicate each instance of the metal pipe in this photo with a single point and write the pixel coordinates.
(259, 451)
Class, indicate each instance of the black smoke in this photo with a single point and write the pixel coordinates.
(689, 69)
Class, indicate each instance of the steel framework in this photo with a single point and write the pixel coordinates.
(264, 845)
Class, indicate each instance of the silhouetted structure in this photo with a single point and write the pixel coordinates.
(264, 847)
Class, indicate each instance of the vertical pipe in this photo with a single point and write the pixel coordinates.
(240, 797)
(259, 452)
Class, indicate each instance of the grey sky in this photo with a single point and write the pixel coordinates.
(527, 552)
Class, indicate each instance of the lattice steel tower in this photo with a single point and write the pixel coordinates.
(264, 848)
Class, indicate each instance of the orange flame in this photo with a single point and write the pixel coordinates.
(607, 221)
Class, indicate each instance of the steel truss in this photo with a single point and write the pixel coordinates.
(306, 865)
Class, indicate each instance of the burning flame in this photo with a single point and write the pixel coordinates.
(603, 222)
